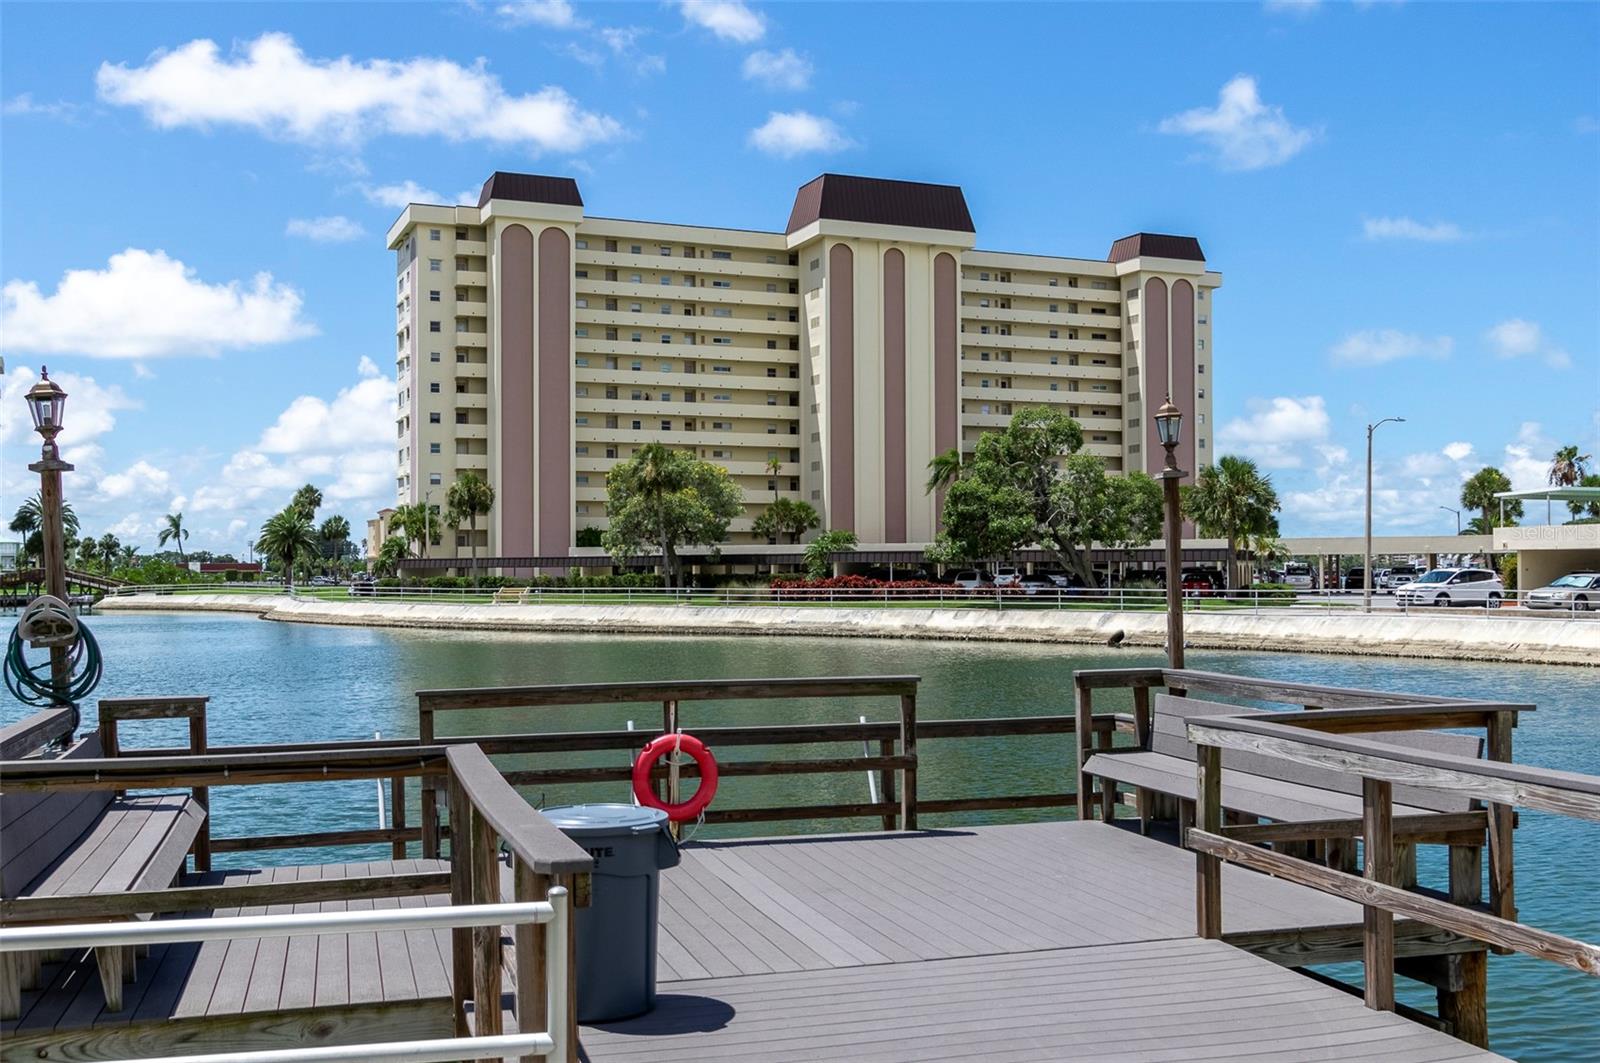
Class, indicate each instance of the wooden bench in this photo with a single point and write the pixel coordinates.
(84, 842)
(510, 596)
(1256, 786)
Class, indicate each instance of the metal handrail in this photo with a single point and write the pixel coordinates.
(553, 911)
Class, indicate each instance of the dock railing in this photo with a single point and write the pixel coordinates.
(1322, 740)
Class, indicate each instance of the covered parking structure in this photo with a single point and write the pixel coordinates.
(1546, 552)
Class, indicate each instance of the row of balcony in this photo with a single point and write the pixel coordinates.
(1041, 316)
(657, 293)
(993, 342)
(1044, 291)
(1061, 371)
(620, 260)
(652, 350)
(652, 321)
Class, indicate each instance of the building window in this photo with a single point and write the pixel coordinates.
(1200, 294)
(582, 304)
(433, 356)
(580, 332)
(728, 284)
(434, 388)
(635, 249)
(433, 326)
(433, 296)
(666, 426)
(1055, 334)
(433, 448)
(435, 479)
(724, 255)
(582, 245)
(433, 234)
(435, 265)
(1201, 369)
(1201, 344)
(433, 418)
(1202, 442)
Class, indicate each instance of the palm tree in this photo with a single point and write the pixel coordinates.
(417, 522)
(110, 546)
(307, 500)
(29, 518)
(1234, 500)
(334, 533)
(128, 556)
(88, 550)
(287, 536)
(1581, 509)
(774, 466)
(394, 550)
(174, 532)
(1568, 467)
(944, 470)
(470, 496)
(1479, 493)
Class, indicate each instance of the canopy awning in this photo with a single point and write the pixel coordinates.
(1554, 494)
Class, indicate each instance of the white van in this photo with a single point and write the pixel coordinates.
(1298, 574)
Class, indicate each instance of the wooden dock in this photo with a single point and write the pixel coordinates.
(1040, 941)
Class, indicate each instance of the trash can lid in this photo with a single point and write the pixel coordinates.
(600, 819)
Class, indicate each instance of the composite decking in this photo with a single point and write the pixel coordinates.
(1029, 942)
(1035, 942)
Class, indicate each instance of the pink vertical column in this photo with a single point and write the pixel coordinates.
(555, 393)
(514, 493)
(1183, 389)
(841, 387)
(946, 367)
(1155, 368)
(894, 395)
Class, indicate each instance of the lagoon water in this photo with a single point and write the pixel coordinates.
(273, 682)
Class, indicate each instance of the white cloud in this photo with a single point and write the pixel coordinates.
(557, 14)
(145, 305)
(787, 134)
(1280, 431)
(402, 195)
(90, 414)
(271, 86)
(1378, 346)
(332, 229)
(25, 104)
(1527, 461)
(139, 480)
(1242, 132)
(345, 445)
(1457, 451)
(729, 20)
(778, 70)
(1410, 229)
(1519, 338)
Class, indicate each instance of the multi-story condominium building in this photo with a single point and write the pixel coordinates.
(828, 362)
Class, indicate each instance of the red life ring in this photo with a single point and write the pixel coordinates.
(683, 811)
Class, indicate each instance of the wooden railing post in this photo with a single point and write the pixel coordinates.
(461, 893)
(1104, 740)
(908, 748)
(886, 779)
(1466, 1006)
(486, 960)
(1502, 869)
(532, 946)
(1208, 817)
(397, 815)
(1377, 924)
(430, 804)
(1083, 698)
(202, 794)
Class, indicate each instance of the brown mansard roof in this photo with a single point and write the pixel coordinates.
(876, 201)
(1156, 245)
(531, 188)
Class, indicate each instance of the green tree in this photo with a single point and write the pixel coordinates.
(173, 532)
(1586, 510)
(29, 518)
(944, 470)
(394, 550)
(1568, 467)
(109, 547)
(87, 549)
(788, 517)
(418, 522)
(818, 565)
(288, 537)
(1031, 484)
(1479, 491)
(774, 466)
(307, 500)
(667, 498)
(334, 533)
(1232, 500)
(470, 497)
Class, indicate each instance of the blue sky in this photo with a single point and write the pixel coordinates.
(1401, 196)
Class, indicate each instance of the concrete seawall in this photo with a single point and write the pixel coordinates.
(1458, 636)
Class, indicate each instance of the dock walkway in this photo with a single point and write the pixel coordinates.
(1041, 941)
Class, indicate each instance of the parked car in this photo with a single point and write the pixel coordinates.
(1578, 591)
(1398, 577)
(1454, 586)
(1066, 580)
(1037, 584)
(1007, 576)
(1297, 574)
(363, 587)
(1353, 579)
(973, 579)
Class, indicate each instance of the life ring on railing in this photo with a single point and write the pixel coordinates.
(668, 745)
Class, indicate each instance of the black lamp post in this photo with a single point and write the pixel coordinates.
(47, 404)
(1169, 429)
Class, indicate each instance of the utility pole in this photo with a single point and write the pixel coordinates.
(1366, 571)
(47, 402)
(1169, 427)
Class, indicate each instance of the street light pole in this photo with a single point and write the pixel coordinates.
(46, 402)
(1169, 426)
(1457, 512)
(1366, 571)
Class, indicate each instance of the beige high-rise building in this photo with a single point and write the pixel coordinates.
(829, 362)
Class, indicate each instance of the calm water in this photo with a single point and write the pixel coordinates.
(289, 682)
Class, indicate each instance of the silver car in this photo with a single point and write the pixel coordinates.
(1453, 586)
(1577, 591)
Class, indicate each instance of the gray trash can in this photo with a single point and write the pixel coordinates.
(617, 932)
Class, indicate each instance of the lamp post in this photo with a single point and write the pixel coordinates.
(1169, 428)
(1457, 512)
(1366, 571)
(47, 403)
